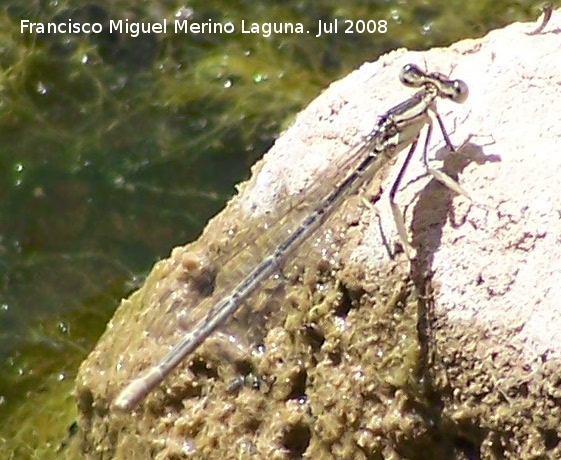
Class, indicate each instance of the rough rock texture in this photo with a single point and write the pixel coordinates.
(362, 356)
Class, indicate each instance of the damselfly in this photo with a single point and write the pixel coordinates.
(547, 10)
(398, 128)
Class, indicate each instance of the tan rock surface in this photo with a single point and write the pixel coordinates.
(365, 357)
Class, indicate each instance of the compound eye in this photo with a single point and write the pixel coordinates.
(412, 76)
(460, 91)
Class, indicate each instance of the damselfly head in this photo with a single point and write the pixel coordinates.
(455, 90)
(412, 76)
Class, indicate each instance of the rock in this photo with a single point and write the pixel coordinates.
(350, 352)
